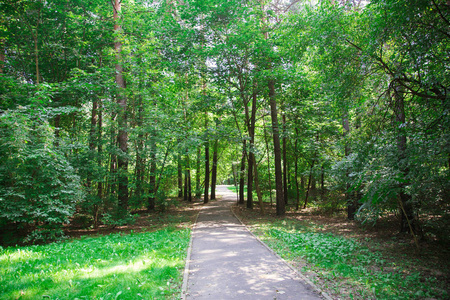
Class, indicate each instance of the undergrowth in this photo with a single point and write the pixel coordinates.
(346, 267)
(132, 266)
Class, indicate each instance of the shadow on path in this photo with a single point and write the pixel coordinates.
(227, 262)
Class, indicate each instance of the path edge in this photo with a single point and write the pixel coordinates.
(188, 261)
(297, 272)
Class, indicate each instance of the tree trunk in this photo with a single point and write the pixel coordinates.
(281, 209)
(151, 203)
(266, 140)
(99, 163)
(180, 177)
(251, 159)
(309, 183)
(122, 137)
(198, 189)
(242, 173)
(214, 170)
(407, 222)
(285, 170)
(258, 189)
(251, 123)
(206, 195)
(140, 166)
(187, 181)
(185, 196)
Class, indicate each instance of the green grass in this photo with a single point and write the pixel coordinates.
(345, 266)
(133, 266)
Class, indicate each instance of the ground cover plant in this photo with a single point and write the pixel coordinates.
(116, 266)
(348, 266)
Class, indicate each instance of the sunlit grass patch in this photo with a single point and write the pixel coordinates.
(345, 266)
(133, 266)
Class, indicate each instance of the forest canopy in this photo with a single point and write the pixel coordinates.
(109, 107)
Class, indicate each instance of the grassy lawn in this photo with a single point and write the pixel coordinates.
(347, 267)
(144, 265)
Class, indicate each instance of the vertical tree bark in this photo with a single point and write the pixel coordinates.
(140, 165)
(214, 170)
(242, 173)
(251, 123)
(206, 195)
(180, 177)
(92, 142)
(285, 170)
(198, 189)
(266, 140)
(189, 182)
(151, 202)
(407, 222)
(280, 204)
(99, 162)
(187, 176)
(122, 137)
(251, 159)
(258, 189)
(185, 196)
(309, 183)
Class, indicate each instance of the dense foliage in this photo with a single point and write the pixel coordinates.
(107, 107)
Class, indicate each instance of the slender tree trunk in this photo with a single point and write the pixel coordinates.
(285, 169)
(92, 143)
(206, 195)
(151, 203)
(251, 157)
(214, 170)
(258, 189)
(297, 189)
(112, 180)
(309, 183)
(99, 163)
(407, 222)
(266, 140)
(198, 189)
(242, 173)
(122, 137)
(188, 177)
(185, 196)
(281, 209)
(180, 177)
(140, 169)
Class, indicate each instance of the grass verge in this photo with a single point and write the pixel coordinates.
(143, 265)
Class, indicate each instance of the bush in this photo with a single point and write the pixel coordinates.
(38, 186)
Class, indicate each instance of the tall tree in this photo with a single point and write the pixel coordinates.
(122, 136)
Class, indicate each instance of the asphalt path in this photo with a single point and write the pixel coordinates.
(227, 262)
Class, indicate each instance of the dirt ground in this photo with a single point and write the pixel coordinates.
(178, 212)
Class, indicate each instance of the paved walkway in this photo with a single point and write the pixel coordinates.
(227, 262)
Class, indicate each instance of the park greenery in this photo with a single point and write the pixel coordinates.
(143, 265)
(110, 107)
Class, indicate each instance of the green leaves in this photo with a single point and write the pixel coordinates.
(37, 183)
